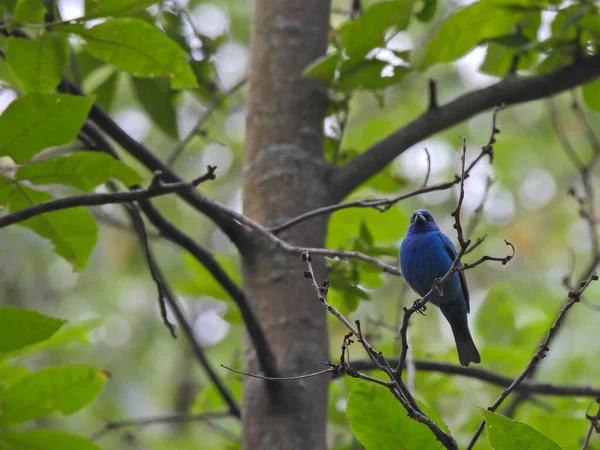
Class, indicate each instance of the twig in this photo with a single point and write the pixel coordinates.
(488, 376)
(396, 387)
(433, 100)
(428, 168)
(111, 425)
(262, 377)
(463, 247)
(540, 354)
(587, 208)
(182, 144)
(594, 423)
(156, 189)
(257, 336)
(383, 204)
(163, 291)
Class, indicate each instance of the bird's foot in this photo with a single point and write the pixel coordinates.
(419, 308)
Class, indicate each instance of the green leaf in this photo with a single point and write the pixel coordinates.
(22, 327)
(62, 388)
(37, 64)
(427, 11)
(106, 90)
(156, 98)
(104, 8)
(367, 75)
(323, 68)
(379, 421)
(591, 94)
(506, 434)
(83, 170)
(38, 121)
(137, 47)
(29, 11)
(359, 36)
(41, 439)
(468, 27)
(73, 231)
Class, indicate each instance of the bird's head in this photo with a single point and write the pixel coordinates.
(422, 220)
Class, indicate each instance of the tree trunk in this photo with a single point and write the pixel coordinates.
(284, 175)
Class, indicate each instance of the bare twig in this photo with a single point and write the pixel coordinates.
(428, 168)
(488, 376)
(433, 100)
(383, 204)
(257, 336)
(262, 377)
(111, 425)
(396, 387)
(574, 297)
(156, 189)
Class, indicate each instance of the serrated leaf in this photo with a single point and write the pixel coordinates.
(323, 68)
(73, 231)
(83, 170)
(359, 36)
(379, 421)
(137, 47)
(156, 98)
(29, 11)
(22, 327)
(468, 27)
(506, 434)
(104, 8)
(38, 121)
(41, 439)
(591, 94)
(62, 388)
(367, 75)
(37, 64)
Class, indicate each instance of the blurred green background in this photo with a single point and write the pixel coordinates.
(112, 307)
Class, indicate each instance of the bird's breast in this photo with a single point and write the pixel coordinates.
(423, 258)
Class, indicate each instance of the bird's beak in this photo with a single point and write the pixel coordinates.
(420, 217)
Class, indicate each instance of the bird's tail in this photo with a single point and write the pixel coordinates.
(467, 351)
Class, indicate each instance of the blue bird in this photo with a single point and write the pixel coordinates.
(427, 253)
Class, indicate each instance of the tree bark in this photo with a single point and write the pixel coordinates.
(284, 175)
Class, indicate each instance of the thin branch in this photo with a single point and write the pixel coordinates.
(264, 353)
(184, 323)
(428, 169)
(396, 387)
(262, 377)
(206, 114)
(587, 207)
(383, 204)
(156, 189)
(433, 98)
(153, 163)
(488, 376)
(510, 91)
(574, 297)
(111, 425)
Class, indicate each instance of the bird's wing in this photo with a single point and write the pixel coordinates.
(449, 246)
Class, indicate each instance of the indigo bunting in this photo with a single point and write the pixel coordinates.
(427, 253)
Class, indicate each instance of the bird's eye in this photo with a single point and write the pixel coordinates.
(412, 219)
(429, 218)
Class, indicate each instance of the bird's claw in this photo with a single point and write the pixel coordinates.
(419, 308)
